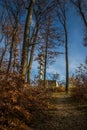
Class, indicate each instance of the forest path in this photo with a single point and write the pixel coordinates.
(65, 114)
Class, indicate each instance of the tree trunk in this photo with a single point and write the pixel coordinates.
(45, 66)
(3, 54)
(15, 58)
(30, 64)
(11, 50)
(24, 60)
(32, 54)
(66, 57)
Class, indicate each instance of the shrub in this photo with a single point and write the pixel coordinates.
(20, 108)
(79, 93)
(56, 89)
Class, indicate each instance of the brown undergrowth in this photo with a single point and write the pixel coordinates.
(79, 93)
(21, 108)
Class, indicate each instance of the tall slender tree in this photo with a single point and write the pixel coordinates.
(62, 16)
(24, 60)
(33, 40)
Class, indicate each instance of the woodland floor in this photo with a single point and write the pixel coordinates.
(64, 114)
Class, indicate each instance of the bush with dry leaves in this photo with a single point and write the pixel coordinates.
(20, 108)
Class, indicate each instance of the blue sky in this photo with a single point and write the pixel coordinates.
(77, 52)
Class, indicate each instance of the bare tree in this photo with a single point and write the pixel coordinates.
(10, 29)
(81, 6)
(24, 60)
(33, 40)
(62, 17)
(81, 74)
(42, 8)
(48, 46)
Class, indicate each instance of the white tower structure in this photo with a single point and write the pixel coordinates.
(41, 72)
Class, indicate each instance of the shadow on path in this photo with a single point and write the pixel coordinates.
(64, 115)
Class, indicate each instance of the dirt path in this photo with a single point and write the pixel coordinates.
(65, 114)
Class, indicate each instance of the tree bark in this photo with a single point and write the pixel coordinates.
(3, 54)
(32, 53)
(24, 60)
(11, 50)
(63, 20)
(30, 64)
(45, 66)
(66, 57)
(15, 58)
